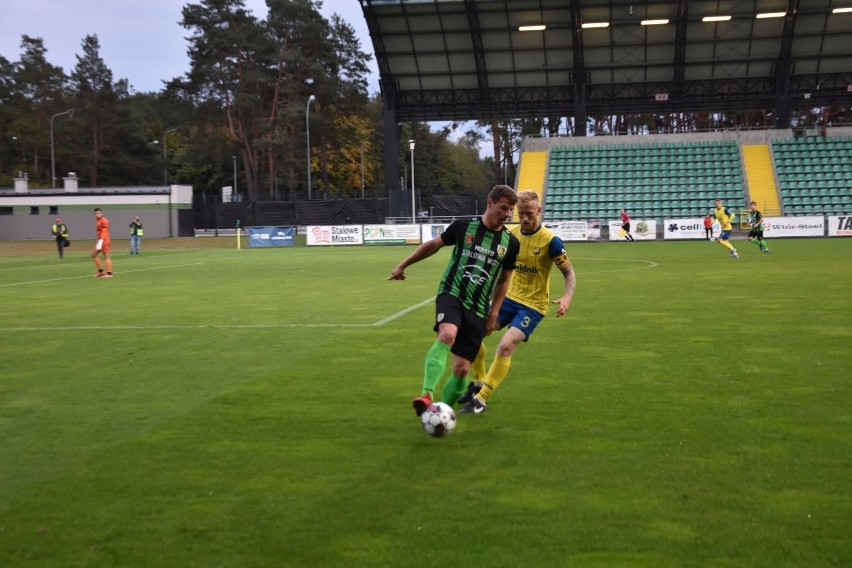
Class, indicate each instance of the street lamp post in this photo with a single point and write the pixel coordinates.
(52, 155)
(413, 212)
(311, 99)
(166, 156)
(362, 171)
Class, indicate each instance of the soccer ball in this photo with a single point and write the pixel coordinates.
(439, 419)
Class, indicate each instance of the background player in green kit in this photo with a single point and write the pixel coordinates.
(755, 221)
(470, 292)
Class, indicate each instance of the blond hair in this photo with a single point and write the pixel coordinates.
(527, 196)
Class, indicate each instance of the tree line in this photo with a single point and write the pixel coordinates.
(243, 106)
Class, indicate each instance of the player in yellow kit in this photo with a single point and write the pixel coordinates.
(725, 217)
(527, 300)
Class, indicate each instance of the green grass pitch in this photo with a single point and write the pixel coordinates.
(215, 407)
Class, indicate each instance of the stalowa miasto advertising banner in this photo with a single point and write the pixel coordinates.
(328, 235)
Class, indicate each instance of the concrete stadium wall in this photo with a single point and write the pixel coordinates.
(30, 215)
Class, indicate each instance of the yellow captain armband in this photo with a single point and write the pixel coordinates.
(561, 260)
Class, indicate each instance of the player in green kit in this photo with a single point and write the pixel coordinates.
(755, 235)
(470, 292)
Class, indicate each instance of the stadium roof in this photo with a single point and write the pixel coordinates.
(445, 60)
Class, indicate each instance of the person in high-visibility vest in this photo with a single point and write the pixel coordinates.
(135, 235)
(59, 230)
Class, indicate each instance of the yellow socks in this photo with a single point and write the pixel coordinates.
(498, 371)
(477, 368)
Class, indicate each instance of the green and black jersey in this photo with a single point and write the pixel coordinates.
(755, 219)
(479, 256)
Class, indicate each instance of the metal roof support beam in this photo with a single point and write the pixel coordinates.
(392, 131)
(578, 75)
(391, 127)
(784, 69)
(680, 48)
(478, 51)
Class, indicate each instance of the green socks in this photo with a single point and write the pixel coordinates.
(453, 389)
(435, 365)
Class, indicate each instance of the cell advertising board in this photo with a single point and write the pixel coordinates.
(271, 236)
(641, 229)
(805, 226)
(840, 226)
(391, 234)
(328, 235)
(683, 228)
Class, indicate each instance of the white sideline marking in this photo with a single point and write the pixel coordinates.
(379, 323)
(220, 326)
(92, 276)
(86, 258)
(198, 326)
(651, 264)
(401, 313)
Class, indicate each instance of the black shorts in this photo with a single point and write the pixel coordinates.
(755, 233)
(449, 309)
(626, 227)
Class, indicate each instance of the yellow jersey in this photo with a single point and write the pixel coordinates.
(530, 284)
(725, 217)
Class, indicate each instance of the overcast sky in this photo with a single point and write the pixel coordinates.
(140, 40)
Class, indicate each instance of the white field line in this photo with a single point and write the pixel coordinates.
(378, 323)
(74, 264)
(196, 326)
(401, 313)
(92, 276)
(219, 326)
(650, 264)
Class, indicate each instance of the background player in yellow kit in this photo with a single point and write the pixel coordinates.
(725, 217)
(526, 301)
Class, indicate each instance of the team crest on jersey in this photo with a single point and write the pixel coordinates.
(537, 251)
(501, 250)
(468, 239)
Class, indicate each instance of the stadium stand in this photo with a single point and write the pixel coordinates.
(814, 174)
(532, 170)
(533, 166)
(650, 180)
(761, 180)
